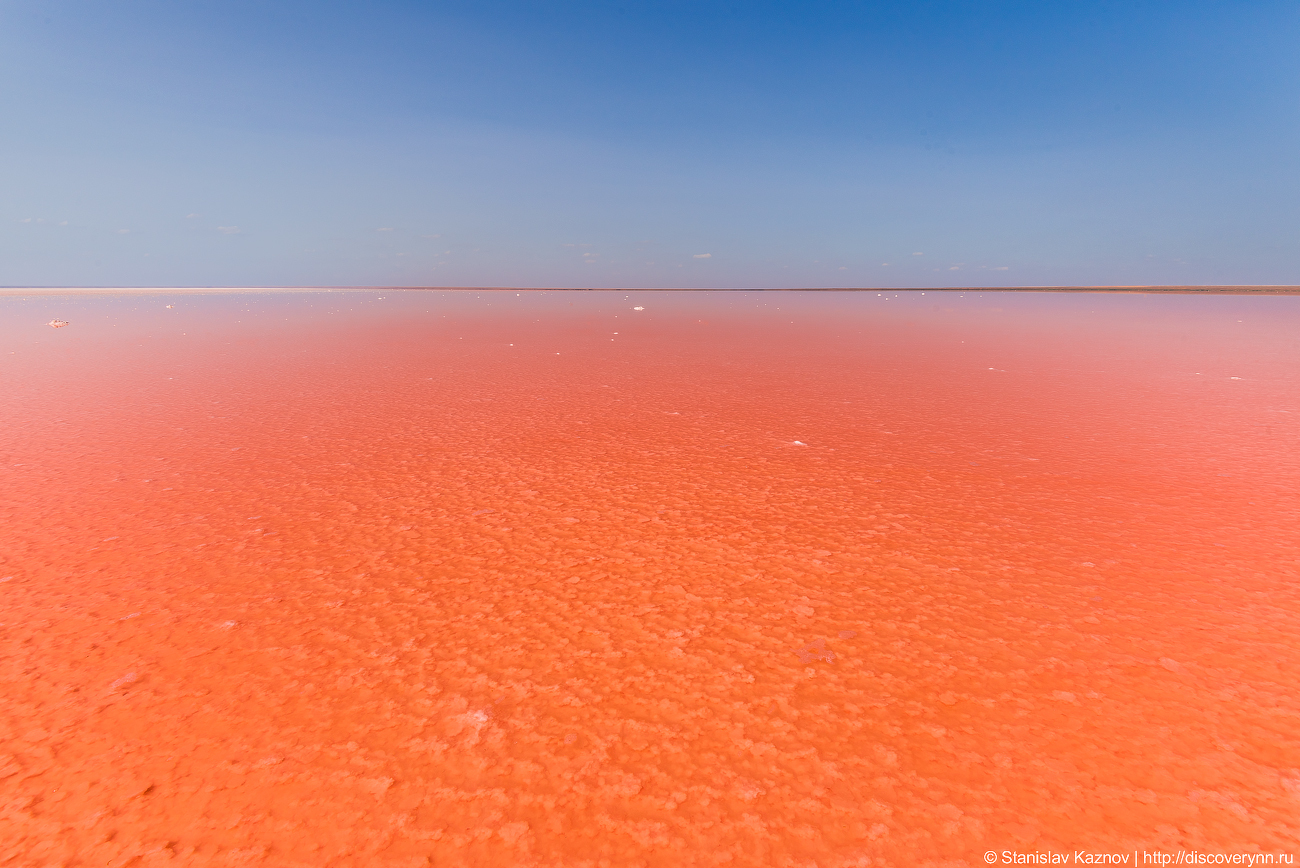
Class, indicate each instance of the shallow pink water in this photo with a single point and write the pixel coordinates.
(541, 579)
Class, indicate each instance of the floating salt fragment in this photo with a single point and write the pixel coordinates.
(58, 324)
(815, 650)
(638, 308)
(800, 443)
(130, 616)
(128, 678)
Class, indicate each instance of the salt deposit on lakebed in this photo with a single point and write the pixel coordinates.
(453, 579)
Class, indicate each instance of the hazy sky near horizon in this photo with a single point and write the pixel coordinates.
(666, 144)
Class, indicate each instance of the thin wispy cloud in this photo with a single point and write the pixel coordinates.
(703, 256)
(229, 230)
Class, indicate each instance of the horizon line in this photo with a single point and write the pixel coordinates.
(1261, 289)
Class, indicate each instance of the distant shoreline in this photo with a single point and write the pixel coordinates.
(158, 290)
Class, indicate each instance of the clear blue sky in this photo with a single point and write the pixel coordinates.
(615, 144)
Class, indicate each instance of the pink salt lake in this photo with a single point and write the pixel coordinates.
(646, 578)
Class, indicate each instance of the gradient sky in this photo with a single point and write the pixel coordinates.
(649, 144)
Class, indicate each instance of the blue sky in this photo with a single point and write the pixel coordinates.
(649, 144)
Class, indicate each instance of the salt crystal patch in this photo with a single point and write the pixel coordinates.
(1171, 664)
(815, 650)
(1063, 696)
(128, 678)
(376, 786)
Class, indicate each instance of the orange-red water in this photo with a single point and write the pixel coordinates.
(540, 579)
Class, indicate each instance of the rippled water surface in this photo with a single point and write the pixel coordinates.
(646, 578)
